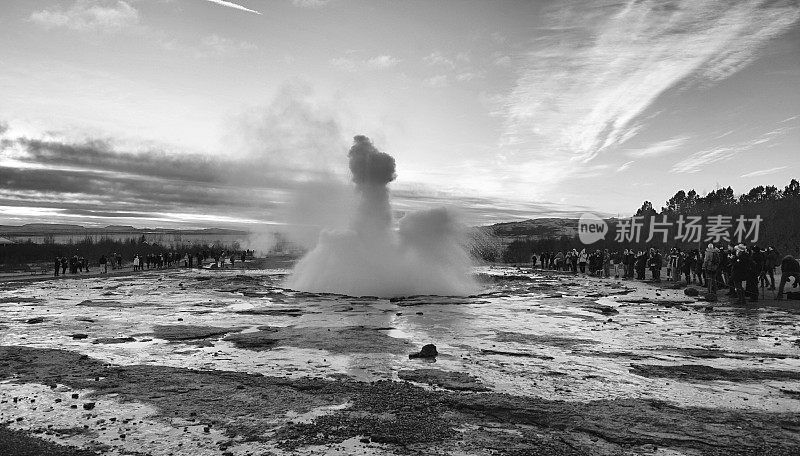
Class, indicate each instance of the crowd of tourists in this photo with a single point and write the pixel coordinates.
(168, 259)
(739, 268)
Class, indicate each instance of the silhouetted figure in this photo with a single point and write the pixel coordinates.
(57, 265)
(790, 268)
(740, 270)
(64, 263)
(103, 263)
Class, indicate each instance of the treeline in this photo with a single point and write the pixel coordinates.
(779, 210)
(18, 256)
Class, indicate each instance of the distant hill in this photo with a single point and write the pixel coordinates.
(536, 228)
(43, 229)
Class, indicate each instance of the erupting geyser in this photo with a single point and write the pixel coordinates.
(424, 256)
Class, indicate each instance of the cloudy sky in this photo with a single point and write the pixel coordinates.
(221, 113)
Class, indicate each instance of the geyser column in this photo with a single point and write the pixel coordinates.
(372, 171)
(370, 258)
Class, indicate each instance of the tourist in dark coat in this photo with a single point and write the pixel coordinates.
(790, 268)
(740, 271)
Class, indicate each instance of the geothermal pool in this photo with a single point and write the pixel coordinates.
(543, 336)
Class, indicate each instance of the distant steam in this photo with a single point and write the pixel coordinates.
(425, 256)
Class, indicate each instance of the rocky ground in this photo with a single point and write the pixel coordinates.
(215, 362)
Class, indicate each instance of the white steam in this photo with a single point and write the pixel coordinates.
(425, 256)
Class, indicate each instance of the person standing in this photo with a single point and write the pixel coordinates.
(790, 268)
(740, 268)
(104, 263)
(616, 260)
(582, 260)
(57, 264)
(656, 262)
(710, 266)
(64, 263)
(754, 269)
(770, 263)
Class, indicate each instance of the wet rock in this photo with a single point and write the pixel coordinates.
(190, 332)
(79, 336)
(428, 352)
(34, 320)
(487, 351)
(349, 339)
(88, 405)
(457, 381)
(605, 310)
(74, 395)
(19, 300)
(543, 339)
(691, 291)
(702, 372)
(113, 340)
(272, 311)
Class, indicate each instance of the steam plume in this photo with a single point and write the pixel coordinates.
(425, 256)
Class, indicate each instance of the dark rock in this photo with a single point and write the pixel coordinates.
(88, 406)
(710, 297)
(190, 332)
(114, 340)
(691, 291)
(74, 395)
(457, 381)
(428, 351)
(35, 320)
(364, 440)
(79, 336)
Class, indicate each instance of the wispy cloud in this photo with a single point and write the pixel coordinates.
(233, 5)
(379, 62)
(699, 160)
(437, 58)
(625, 166)
(581, 88)
(86, 15)
(659, 148)
(382, 61)
(437, 81)
(764, 172)
(221, 45)
(310, 3)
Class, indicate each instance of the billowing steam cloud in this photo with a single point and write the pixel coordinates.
(425, 256)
